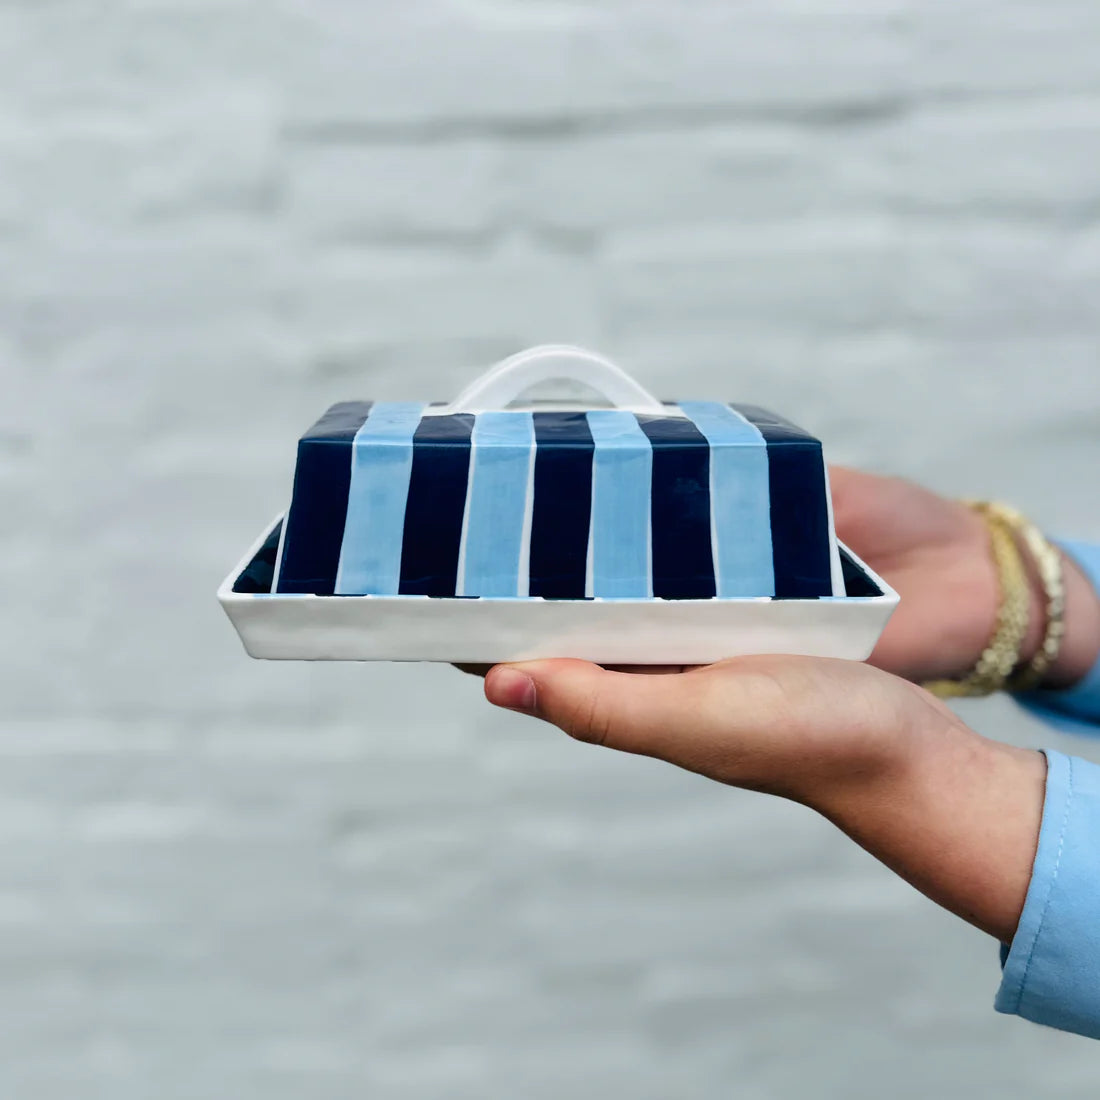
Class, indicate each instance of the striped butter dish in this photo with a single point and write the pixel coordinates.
(639, 532)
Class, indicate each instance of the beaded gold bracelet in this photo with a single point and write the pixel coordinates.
(998, 667)
(1048, 564)
(1002, 654)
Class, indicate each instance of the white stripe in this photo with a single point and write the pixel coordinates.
(834, 550)
(460, 579)
(590, 557)
(523, 587)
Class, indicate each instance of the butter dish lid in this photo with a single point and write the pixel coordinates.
(488, 498)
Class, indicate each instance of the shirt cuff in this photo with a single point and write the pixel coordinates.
(1075, 709)
(1052, 969)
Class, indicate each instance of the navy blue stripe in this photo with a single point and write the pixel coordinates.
(562, 505)
(856, 580)
(683, 563)
(799, 509)
(436, 503)
(319, 506)
(257, 575)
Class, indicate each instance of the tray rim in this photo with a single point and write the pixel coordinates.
(306, 627)
(227, 595)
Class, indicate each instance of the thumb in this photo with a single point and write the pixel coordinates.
(632, 712)
(788, 725)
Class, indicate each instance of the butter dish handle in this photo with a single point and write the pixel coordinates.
(501, 385)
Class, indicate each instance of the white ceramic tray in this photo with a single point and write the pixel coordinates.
(488, 631)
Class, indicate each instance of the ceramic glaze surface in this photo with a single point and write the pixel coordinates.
(709, 500)
(642, 631)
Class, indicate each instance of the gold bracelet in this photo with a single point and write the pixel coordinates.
(1002, 654)
(1048, 564)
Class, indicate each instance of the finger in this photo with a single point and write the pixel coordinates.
(848, 488)
(648, 670)
(632, 713)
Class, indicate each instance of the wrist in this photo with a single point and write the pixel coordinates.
(1081, 643)
(978, 623)
(1033, 581)
(1002, 596)
(878, 756)
(956, 815)
(1080, 646)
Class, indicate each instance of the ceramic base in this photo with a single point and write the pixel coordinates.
(488, 631)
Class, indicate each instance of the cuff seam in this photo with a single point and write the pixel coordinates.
(1049, 890)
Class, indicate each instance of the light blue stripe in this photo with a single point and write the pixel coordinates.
(381, 461)
(740, 500)
(500, 469)
(622, 479)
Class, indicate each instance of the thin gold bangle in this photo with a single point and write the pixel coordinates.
(1049, 566)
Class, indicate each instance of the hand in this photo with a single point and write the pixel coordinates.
(936, 553)
(954, 814)
(951, 812)
(794, 726)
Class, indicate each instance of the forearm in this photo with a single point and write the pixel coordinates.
(958, 816)
(955, 815)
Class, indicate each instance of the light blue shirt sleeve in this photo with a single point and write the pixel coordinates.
(1075, 709)
(1052, 969)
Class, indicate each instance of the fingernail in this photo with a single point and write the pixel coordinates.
(508, 688)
